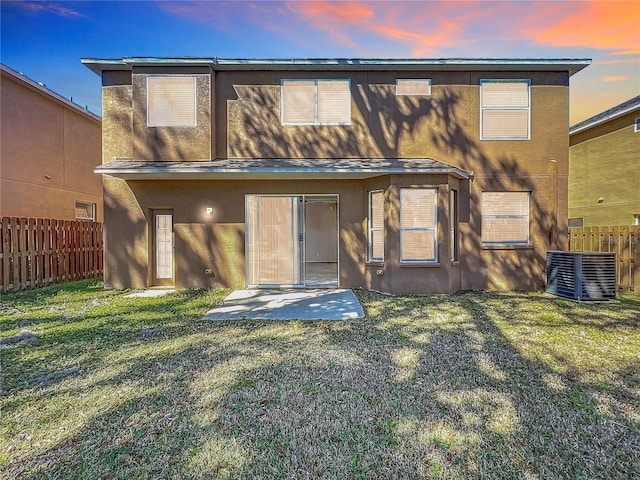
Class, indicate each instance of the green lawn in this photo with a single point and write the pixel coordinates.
(473, 385)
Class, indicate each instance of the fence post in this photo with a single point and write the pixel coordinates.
(6, 249)
(635, 258)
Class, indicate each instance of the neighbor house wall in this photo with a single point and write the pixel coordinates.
(48, 149)
(603, 179)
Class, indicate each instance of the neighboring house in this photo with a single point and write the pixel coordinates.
(403, 176)
(604, 168)
(49, 147)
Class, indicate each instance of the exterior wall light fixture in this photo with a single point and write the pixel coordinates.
(209, 210)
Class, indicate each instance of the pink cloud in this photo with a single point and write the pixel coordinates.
(631, 51)
(39, 7)
(603, 25)
(429, 28)
(614, 78)
(618, 61)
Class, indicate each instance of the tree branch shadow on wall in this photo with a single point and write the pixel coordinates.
(390, 126)
(387, 126)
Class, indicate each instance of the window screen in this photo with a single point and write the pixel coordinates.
(85, 211)
(504, 109)
(417, 86)
(376, 226)
(418, 221)
(316, 102)
(171, 101)
(505, 218)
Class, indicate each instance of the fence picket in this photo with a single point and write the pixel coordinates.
(623, 240)
(39, 252)
(6, 247)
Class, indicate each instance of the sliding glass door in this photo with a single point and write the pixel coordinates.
(291, 240)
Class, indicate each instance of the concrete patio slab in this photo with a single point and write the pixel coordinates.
(317, 304)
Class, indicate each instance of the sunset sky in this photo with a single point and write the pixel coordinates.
(45, 40)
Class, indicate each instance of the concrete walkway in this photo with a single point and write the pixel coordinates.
(338, 304)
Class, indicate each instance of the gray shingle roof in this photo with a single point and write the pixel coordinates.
(277, 168)
(610, 114)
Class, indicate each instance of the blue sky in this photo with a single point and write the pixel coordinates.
(45, 40)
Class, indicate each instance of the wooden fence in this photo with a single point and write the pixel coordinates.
(624, 241)
(38, 252)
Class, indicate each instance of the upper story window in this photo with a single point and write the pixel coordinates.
(636, 125)
(505, 218)
(504, 109)
(316, 102)
(171, 101)
(376, 226)
(413, 86)
(418, 222)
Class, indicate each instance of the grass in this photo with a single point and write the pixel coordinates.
(474, 385)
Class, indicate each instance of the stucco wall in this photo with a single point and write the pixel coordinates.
(172, 143)
(605, 163)
(218, 241)
(443, 126)
(48, 152)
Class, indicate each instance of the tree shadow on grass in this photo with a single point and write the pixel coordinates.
(434, 386)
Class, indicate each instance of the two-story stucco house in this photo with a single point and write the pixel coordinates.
(404, 176)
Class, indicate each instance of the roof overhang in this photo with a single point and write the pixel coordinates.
(569, 65)
(275, 169)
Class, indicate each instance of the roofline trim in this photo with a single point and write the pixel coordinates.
(572, 66)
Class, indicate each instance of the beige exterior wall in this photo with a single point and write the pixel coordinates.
(47, 154)
(443, 126)
(605, 164)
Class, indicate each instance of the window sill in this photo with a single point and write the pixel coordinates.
(455, 263)
(420, 265)
(374, 264)
(507, 247)
(519, 139)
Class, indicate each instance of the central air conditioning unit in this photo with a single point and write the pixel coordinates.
(583, 276)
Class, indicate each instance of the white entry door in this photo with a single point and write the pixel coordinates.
(163, 247)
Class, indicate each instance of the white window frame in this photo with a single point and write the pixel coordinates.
(371, 228)
(315, 101)
(527, 216)
(434, 229)
(454, 230)
(428, 80)
(195, 101)
(93, 210)
(528, 108)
